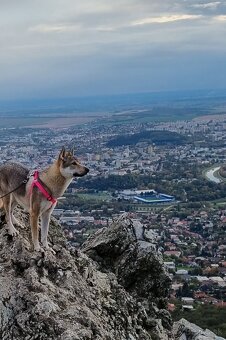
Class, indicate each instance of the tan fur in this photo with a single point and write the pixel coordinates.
(55, 180)
(1, 204)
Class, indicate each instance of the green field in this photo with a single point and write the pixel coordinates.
(100, 196)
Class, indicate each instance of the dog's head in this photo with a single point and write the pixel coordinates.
(70, 166)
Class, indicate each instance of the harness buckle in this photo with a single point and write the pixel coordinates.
(31, 174)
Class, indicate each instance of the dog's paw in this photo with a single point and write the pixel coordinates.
(13, 232)
(38, 249)
(49, 249)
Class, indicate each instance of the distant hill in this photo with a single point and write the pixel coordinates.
(154, 136)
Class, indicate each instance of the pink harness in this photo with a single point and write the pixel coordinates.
(41, 188)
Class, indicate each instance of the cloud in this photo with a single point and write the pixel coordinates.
(220, 17)
(98, 46)
(209, 5)
(49, 28)
(165, 19)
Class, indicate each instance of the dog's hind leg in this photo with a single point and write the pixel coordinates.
(1, 204)
(14, 219)
(45, 228)
(7, 206)
(2, 212)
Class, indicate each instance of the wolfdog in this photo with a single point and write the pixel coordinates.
(37, 192)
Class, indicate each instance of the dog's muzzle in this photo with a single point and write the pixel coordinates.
(86, 170)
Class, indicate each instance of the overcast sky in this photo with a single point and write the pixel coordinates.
(64, 48)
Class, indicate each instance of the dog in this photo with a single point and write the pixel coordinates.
(37, 195)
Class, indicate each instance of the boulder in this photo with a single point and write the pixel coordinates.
(184, 330)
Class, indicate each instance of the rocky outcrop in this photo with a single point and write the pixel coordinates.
(130, 252)
(115, 288)
(69, 296)
(184, 330)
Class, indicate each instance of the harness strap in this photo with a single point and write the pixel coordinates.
(36, 183)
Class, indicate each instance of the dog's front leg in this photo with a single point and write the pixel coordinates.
(45, 228)
(34, 229)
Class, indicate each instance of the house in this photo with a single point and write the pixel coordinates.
(187, 300)
(200, 295)
(201, 279)
(218, 280)
(221, 304)
(181, 272)
(170, 265)
(172, 253)
(187, 307)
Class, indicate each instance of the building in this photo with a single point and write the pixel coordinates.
(146, 196)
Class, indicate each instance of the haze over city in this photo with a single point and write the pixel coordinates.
(52, 49)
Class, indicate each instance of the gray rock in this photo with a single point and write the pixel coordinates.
(138, 229)
(62, 296)
(184, 330)
(150, 236)
(119, 292)
(136, 262)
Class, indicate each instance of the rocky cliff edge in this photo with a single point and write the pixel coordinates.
(115, 287)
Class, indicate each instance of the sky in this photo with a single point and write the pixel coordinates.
(70, 48)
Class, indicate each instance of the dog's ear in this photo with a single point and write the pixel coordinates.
(72, 151)
(62, 154)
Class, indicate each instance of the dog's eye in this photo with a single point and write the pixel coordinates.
(74, 163)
